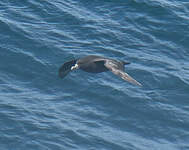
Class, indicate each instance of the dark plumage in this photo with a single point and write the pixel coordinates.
(97, 64)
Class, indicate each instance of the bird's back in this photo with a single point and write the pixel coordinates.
(92, 64)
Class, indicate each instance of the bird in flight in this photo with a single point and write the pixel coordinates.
(97, 64)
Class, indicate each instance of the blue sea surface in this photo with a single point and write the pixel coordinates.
(83, 111)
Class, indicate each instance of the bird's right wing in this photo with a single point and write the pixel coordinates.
(66, 68)
(115, 69)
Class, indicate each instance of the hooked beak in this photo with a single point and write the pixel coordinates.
(75, 67)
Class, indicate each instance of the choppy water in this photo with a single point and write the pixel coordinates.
(39, 111)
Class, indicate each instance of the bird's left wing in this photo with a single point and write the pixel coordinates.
(114, 68)
(66, 68)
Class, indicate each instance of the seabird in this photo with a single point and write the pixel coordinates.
(97, 64)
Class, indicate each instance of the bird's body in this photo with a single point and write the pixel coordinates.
(97, 64)
(92, 64)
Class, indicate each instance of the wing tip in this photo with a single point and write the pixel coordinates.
(129, 79)
(134, 82)
(139, 84)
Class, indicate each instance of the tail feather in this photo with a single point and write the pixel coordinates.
(126, 63)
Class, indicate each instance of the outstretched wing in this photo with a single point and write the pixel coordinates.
(66, 68)
(115, 68)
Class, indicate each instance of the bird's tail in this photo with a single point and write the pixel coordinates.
(125, 62)
(66, 68)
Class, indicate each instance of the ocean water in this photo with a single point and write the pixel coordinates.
(40, 111)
